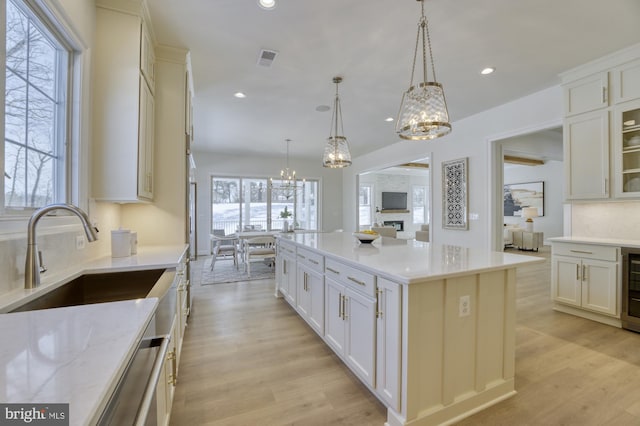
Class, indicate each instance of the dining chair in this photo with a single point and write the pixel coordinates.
(223, 247)
(258, 249)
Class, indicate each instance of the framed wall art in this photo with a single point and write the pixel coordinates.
(520, 195)
(454, 194)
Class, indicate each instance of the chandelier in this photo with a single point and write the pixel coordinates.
(287, 184)
(423, 111)
(336, 152)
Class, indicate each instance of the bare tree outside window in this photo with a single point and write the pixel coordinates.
(35, 111)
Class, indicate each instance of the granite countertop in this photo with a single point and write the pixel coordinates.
(408, 261)
(599, 241)
(150, 257)
(72, 355)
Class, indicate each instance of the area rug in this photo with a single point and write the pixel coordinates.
(225, 272)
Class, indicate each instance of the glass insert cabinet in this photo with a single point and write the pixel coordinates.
(627, 147)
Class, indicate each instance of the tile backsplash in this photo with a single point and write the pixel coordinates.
(606, 220)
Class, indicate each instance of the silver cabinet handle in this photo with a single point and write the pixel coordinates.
(344, 308)
(584, 272)
(581, 251)
(362, 283)
(340, 305)
(378, 303)
(301, 256)
(314, 262)
(578, 272)
(333, 270)
(604, 95)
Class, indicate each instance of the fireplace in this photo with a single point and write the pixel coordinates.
(398, 224)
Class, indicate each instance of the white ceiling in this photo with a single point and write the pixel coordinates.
(370, 44)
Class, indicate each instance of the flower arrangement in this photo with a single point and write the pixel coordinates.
(285, 213)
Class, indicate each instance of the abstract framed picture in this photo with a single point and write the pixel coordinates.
(520, 195)
(454, 194)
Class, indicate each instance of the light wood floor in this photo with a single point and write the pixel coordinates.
(248, 359)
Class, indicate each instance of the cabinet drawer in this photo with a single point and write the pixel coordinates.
(361, 281)
(586, 251)
(287, 249)
(311, 259)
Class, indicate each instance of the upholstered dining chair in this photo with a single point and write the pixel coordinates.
(258, 249)
(224, 246)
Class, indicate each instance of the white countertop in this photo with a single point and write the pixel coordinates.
(70, 355)
(600, 241)
(150, 257)
(407, 261)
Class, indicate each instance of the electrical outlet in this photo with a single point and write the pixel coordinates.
(80, 242)
(464, 306)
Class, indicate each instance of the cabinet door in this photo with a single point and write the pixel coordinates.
(315, 286)
(626, 149)
(334, 332)
(586, 94)
(626, 80)
(566, 280)
(586, 153)
(388, 342)
(599, 285)
(360, 339)
(303, 295)
(145, 142)
(147, 56)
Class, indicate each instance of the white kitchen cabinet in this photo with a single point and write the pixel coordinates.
(626, 140)
(586, 94)
(626, 81)
(586, 153)
(586, 276)
(123, 103)
(350, 318)
(310, 297)
(388, 341)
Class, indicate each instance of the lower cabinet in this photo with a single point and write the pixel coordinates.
(388, 341)
(310, 297)
(586, 277)
(350, 328)
(168, 380)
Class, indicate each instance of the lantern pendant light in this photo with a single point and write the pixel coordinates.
(336, 151)
(287, 184)
(423, 111)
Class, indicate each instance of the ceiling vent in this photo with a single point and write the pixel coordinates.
(266, 57)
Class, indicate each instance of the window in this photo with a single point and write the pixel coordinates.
(243, 203)
(420, 204)
(364, 203)
(37, 75)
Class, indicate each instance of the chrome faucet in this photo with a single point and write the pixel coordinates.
(33, 261)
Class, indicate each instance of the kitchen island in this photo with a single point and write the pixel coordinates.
(429, 329)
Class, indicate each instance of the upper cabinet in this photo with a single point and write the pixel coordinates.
(123, 124)
(600, 155)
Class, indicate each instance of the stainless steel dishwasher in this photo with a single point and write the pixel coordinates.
(134, 400)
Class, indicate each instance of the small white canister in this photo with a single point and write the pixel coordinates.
(120, 243)
(134, 242)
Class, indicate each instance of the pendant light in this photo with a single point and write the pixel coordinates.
(287, 184)
(336, 152)
(423, 111)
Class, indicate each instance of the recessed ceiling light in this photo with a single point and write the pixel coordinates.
(323, 108)
(239, 95)
(388, 119)
(487, 71)
(267, 4)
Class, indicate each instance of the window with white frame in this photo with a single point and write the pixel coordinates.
(420, 206)
(365, 205)
(37, 84)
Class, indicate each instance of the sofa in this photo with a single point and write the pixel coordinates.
(423, 233)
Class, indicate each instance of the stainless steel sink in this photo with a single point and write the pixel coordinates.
(98, 288)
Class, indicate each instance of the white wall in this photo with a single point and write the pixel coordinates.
(552, 174)
(471, 137)
(619, 220)
(209, 164)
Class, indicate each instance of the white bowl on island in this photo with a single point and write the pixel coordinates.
(366, 238)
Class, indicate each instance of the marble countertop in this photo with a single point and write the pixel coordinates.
(408, 261)
(600, 241)
(70, 355)
(149, 257)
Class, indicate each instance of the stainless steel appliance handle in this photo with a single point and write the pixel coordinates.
(147, 399)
